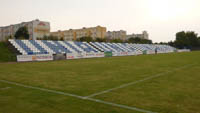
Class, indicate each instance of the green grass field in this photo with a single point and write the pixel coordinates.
(163, 83)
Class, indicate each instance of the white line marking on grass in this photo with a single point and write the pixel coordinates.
(135, 82)
(41, 89)
(79, 97)
(5, 88)
(120, 106)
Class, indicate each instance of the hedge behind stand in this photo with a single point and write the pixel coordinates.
(59, 56)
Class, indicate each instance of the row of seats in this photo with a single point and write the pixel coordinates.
(30, 47)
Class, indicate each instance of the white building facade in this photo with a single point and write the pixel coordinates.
(36, 29)
(144, 35)
(73, 34)
(116, 35)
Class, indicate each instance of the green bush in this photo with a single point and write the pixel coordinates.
(5, 54)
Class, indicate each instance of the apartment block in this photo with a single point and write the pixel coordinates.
(144, 35)
(116, 35)
(36, 29)
(73, 34)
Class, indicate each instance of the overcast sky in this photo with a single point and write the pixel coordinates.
(161, 18)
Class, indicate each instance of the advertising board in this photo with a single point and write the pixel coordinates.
(70, 56)
(183, 50)
(113, 54)
(150, 52)
(109, 54)
(123, 53)
(90, 55)
(99, 54)
(138, 53)
(41, 57)
(131, 53)
(79, 55)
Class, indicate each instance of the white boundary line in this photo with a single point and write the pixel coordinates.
(79, 97)
(5, 88)
(135, 82)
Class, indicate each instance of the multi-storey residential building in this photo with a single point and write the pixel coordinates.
(39, 29)
(144, 35)
(73, 34)
(116, 35)
(36, 29)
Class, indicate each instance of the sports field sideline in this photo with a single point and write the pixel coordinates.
(163, 83)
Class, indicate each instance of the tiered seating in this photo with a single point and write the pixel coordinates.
(85, 47)
(165, 48)
(124, 47)
(150, 47)
(102, 46)
(31, 47)
(113, 47)
(138, 47)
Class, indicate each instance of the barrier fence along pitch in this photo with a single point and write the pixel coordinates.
(49, 57)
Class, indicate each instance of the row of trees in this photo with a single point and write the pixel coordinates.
(139, 41)
(90, 39)
(130, 40)
(185, 39)
(51, 37)
(188, 39)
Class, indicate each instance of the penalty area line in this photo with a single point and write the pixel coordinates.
(5, 88)
(77, 96)
(139, 81)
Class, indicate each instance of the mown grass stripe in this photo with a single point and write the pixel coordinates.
(77, 96)
(139, 81)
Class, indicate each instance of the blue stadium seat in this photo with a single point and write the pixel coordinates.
(31, 47)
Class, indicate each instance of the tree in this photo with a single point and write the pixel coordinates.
(116, 41)
(86, 39)
(134, 40)
(193, 38)
(163, 43)
(100, 40)
(146, 41)
(62, 39)
(51, 37)
(199, 41)
(22, 33)
(45, 37)
(39, 38)
(171, 43)
(55, 38)
(138, 40)
(187, 39)
(8, 37)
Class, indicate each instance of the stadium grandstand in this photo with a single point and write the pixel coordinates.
(31, 47)
(73, 50)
